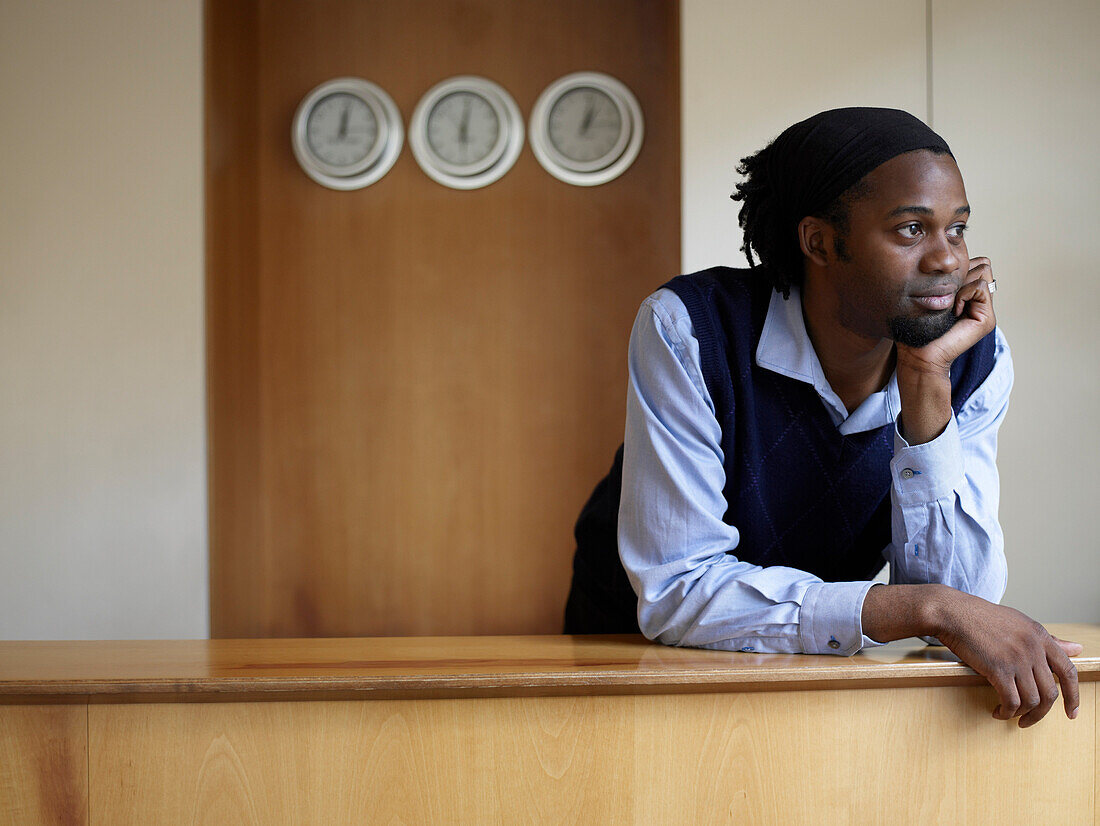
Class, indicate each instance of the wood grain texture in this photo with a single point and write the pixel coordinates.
(835, 757)
(232, 313)
(908, 755)
(424, 762)
(750, 755)
(426, 667)
(43, 765)
(414, 389)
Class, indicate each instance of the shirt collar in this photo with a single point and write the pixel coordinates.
(785, 348)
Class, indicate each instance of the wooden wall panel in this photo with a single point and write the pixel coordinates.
(413, 389)
(43, 765)
(880, 756)
(232, 321)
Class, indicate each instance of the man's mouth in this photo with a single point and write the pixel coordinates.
(935, 299)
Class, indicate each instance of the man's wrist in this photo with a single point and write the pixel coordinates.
(895, 612)
(925, 404)
(911, 363)
(935, 609)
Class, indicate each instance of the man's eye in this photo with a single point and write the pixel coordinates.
(959, 230)
(911, 230)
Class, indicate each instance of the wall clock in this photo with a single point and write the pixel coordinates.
(466, 132)
(347, 133)
(586, 128)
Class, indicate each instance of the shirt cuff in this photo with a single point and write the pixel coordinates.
(927, 472)
(830, 621)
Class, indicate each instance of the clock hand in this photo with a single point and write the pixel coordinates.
(344, 123)
(588, 116)
(463, 131)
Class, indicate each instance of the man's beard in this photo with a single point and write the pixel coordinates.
(917, 331)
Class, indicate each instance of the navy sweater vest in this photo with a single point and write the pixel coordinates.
(800, 494)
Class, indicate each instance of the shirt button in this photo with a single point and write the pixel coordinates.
(834, 644)
(908, 473)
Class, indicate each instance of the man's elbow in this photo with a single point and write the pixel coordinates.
(660, 615)
(655, 622)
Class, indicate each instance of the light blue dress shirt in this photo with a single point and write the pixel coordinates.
(673, 542)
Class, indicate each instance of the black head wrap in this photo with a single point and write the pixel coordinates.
(811, 164)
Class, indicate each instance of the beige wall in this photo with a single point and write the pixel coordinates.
(102, 479)
(1015, 89)
(750, 69)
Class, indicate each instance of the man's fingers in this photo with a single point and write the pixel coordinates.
(1029, 692)
(965, 294)
(1010, 697)
(981, 268)
(972, 291)
(1047, 694)
(1072, 649)
(1066, 672)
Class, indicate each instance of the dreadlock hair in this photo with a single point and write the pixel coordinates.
(774, 236)
(761, 224)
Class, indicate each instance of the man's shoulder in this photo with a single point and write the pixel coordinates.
(721, 284)
(716, 275)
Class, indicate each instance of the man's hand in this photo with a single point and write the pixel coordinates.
(974, 310)
(1015, 653)
(924, 373)
(1020, 659)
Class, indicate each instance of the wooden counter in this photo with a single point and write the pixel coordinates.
(520, 729)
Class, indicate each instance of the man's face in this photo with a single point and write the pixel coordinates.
(906, 255)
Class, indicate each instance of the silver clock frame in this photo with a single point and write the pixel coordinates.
(381, 157)
(501, 157)
(601, 170)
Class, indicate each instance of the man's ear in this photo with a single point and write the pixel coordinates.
(815, 237)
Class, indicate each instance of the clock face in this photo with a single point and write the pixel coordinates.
(586, 128)
(463, 129)
(347, 133)
(341, 129)
(466, 132)
(584, 124)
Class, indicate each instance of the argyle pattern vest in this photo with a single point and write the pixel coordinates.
(800, 493)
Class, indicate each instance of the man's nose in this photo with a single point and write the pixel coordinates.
(942, 256)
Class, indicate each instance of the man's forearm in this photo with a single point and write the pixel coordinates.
(894, 612)
(944, 526)
(925, 403)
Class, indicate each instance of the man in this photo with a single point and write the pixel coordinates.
(791, 426)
